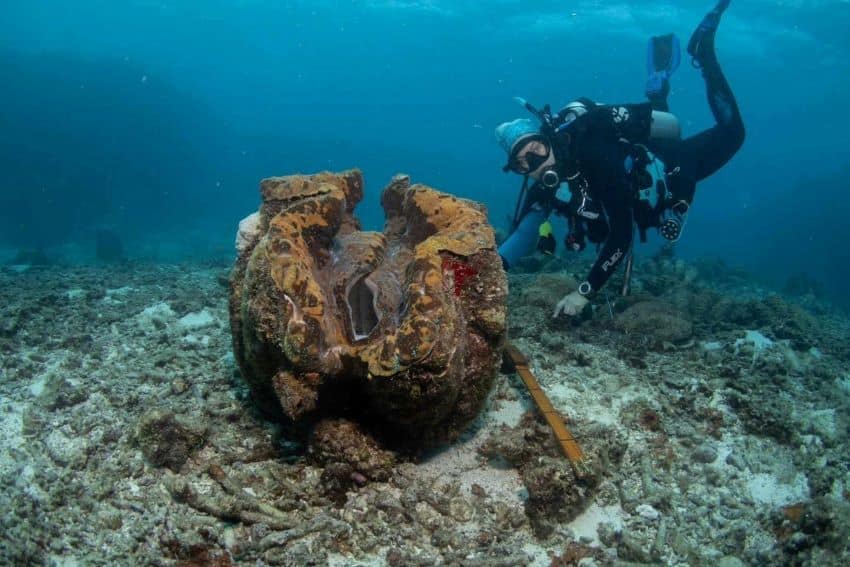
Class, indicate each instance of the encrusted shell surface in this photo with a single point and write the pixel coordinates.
(409, 322)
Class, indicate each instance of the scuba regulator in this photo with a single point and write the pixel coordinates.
(550, 126)
(549, 178)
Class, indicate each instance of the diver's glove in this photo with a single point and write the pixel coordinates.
(575, 242)
(674, 223)
(573, 303)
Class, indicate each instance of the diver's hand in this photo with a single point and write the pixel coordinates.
(571, 304)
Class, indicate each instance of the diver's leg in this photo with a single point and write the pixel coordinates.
(701, 155)
(701, 44)
(523, 240)
(658, 98)
(706, 152)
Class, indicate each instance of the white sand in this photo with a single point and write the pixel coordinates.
(11, 436)
(197, 320)
(767, 490)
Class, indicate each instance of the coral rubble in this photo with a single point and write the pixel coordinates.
(130, 438)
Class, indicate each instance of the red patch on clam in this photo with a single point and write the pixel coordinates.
(461, 273)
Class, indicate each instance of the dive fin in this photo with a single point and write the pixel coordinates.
(701, 44)
(663, 56)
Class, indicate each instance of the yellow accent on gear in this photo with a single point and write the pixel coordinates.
(545, 229)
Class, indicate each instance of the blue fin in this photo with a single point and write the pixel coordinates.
(663, 55)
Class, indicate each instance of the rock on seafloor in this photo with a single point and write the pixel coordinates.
(402, 329)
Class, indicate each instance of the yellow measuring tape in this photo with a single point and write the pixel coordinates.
(565, 439)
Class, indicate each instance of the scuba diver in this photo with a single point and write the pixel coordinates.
(604, 154)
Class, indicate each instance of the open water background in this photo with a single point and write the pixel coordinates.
(158, 118)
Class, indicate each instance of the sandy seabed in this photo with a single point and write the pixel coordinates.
(724, 444)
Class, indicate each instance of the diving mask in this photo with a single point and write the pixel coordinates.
(529, 157)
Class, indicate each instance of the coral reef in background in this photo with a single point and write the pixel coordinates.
(109, 247)
(401, 330)
(31, 257)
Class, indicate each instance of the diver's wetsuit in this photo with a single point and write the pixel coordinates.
(595, 148)
(591, 153)
(703, 154)
(598, 149)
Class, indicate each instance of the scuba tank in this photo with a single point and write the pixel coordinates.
(660, 125)
(664, 126)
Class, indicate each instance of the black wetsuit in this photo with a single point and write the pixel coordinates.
(597, 152)
(592, 154)
(704, 153)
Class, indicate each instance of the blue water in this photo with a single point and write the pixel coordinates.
(159, 117)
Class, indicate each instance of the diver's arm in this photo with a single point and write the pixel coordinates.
(619, 212)
(617, 203)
